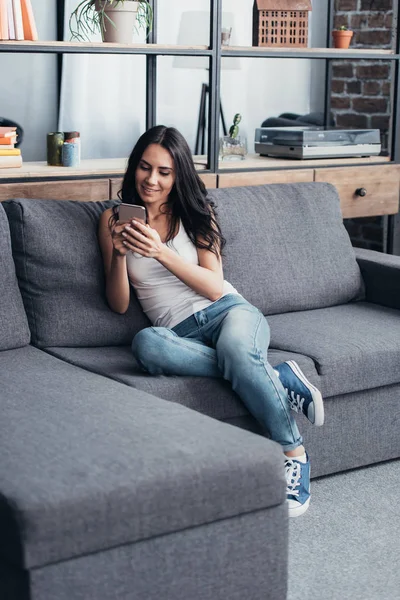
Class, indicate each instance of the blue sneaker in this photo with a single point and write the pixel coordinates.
(298, 486)
(302, 395)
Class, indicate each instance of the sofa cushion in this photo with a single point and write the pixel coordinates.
(354, 346)
(89, 464)
(209, 395)
(60, 273)
(287, 248)
(14, 330)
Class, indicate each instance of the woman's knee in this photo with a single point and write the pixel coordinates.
(148, 348)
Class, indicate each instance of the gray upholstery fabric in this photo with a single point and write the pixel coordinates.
(80, 450)
(232, 559)
(14, 330)
(355, 346)
(381, 274)
(60, 272)
(211, 396)
(287, 248)
(360, 429)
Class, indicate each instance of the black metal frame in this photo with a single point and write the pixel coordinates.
(215, 54)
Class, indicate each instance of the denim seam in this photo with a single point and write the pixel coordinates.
(262, 360)
(176, 341)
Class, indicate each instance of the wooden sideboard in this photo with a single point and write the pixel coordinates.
(367, 187)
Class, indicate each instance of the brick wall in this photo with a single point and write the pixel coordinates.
(361, 90)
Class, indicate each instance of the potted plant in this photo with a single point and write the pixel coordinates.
(233, 146)
(342, 37)
(114, 19)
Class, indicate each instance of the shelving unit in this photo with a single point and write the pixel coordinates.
(210, 165)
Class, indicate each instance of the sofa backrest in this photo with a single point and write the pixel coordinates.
(14, 330)
(287, 248)
(60, 273)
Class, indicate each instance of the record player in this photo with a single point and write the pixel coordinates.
(311, 142)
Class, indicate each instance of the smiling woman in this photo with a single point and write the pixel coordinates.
(202, 326)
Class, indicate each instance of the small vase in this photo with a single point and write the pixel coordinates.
(342, 38)
(232, 148)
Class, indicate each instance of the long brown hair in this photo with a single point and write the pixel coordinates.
(188, 200)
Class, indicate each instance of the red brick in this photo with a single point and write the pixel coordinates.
(353, 87)
(352, 121)
(371, 88)
(376, 37)
(376, 5)
(346, 5)
(389, 21)
(373, 71)
(337, 86)
(370, 105)
(380, 122)
(376, 20)
(386, 88)
(342, 70)
(340, 102)
(341, 20)
(359, 21)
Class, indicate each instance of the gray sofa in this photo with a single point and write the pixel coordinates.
(114, 485)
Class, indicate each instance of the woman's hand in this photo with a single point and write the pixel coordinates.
(142, 239)
(117, 239)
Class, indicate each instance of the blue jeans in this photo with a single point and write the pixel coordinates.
(228, 339)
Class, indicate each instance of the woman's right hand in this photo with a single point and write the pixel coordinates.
(117, 239)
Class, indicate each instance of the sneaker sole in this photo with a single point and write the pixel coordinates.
(319, 413)
(299, 510)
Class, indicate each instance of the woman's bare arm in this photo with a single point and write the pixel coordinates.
(114, 258)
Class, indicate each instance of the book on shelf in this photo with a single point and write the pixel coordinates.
(10, 152)
(17, 21)
(8, 141)
(10, 16)
(28, 20)
(4, 131)
(10, 162)
(4, 35)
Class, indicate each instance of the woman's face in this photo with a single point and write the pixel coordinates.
(155, 175)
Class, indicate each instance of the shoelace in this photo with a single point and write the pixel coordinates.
(295, 401)
(293, 473)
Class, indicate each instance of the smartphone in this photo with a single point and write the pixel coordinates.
(126, 212)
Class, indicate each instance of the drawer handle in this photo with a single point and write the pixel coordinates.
(361, 192)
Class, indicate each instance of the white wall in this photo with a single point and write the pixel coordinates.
(28, 86)
(103, 96)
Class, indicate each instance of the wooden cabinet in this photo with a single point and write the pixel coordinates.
(81, 189)
(365, 192)
(365, 189)
(261, 177)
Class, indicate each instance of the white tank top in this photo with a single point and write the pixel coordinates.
(165, 299)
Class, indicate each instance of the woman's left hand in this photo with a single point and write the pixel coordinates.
(142, 239)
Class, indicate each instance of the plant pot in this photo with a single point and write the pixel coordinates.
(123, 16)
(342, 38)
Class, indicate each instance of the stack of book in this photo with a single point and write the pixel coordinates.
(17, 21)
(10, 156)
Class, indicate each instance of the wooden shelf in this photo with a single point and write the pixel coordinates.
(101, 48)
(106, 167)
(48, 46)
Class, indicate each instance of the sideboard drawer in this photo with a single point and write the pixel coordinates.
(365, 191)
(261, 177)
(81, 189)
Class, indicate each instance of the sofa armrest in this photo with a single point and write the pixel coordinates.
(381, 274)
